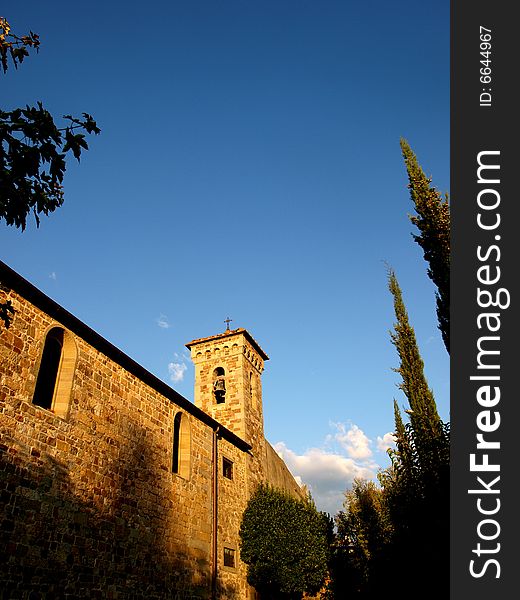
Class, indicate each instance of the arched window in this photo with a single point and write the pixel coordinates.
(56, 372)
(181, 455)
(219, 385)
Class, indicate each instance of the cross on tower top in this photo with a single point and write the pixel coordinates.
(227, 322)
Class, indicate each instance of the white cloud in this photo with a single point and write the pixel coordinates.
(327, 474)
(386, 442)
(52, 276)
(176, 371)
(329, 471)
(178, 367)
(353, 440)
(162, 321)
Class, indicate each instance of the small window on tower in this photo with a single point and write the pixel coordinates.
(227, 468)
(229, 557)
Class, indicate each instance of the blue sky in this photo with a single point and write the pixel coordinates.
(248, 166)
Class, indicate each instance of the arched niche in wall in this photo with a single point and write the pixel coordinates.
(252, 389)
(181, 455)
(53, 389)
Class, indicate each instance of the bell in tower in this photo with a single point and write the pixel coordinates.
(219, 385)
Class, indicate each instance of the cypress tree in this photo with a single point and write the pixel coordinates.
(423, 410)
(404, 450)
(433, 221)
(416, 487)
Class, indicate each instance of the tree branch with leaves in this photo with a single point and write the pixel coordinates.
(33, 149)
(32, 161)
(16, 47)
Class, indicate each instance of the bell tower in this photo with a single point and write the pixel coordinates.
(228, 385)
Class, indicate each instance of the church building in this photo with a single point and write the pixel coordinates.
(112, 484)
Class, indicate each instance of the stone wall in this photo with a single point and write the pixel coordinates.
(89, 505)
(278, 475)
